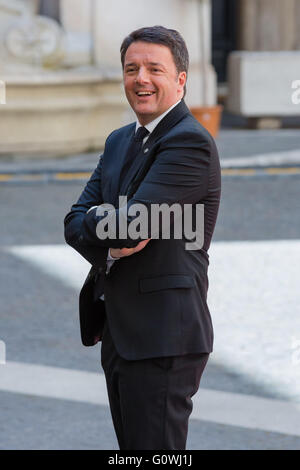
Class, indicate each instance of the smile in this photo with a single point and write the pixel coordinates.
(145, 93)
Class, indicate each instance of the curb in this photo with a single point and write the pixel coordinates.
(82, 176)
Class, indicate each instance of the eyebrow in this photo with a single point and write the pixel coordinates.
(130, 64)
(156, 63)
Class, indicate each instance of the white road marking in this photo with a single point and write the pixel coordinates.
(253, 296)
(210, 405)
(59, 261)
(254, 300)
(288, 157)
(247, 411)
(53, 382)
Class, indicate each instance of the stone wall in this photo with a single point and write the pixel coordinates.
(114, 19)
(269, 25)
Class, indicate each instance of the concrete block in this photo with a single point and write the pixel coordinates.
(260, 83)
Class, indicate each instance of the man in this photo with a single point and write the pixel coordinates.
(154, 322)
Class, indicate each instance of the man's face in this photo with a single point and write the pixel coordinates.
(151, 81)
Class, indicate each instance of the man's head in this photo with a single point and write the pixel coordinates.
(155, 63)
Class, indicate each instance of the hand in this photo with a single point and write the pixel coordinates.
(121, 252)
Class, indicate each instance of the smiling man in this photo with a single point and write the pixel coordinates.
(151, 80)
(145, 299)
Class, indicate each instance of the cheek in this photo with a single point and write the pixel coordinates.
(129, 93)
(128, 84)
(164, 88)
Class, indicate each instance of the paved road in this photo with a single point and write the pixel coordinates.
(51, 388)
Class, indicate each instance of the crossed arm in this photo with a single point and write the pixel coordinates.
(178, 175)
(74, 219)
(116, 253)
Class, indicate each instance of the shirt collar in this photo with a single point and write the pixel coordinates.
(151, 125)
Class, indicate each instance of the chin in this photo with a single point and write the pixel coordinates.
(144, 111)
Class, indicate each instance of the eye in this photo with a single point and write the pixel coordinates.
(130, 69)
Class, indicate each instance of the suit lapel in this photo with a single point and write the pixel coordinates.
(170, 120)
(122, 151)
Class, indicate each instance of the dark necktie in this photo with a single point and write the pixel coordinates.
(133, 150)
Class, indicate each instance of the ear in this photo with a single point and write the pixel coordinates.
(181, 81)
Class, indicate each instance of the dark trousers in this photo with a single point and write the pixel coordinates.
(150, 399)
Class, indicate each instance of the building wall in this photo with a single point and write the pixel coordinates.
(113, 20)
(269, 25)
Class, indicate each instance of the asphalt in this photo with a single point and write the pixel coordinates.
(242, 152)
(244, 402)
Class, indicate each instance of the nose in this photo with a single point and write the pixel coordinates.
(142, 76)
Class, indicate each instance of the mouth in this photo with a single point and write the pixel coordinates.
(144, 94)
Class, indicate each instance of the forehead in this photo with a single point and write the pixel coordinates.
(146, 52)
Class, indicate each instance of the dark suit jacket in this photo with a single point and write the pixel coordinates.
(155, 300)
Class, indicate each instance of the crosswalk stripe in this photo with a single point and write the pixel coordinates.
(227, 408)
(253, 298)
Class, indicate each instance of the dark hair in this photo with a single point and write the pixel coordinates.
(160, 35)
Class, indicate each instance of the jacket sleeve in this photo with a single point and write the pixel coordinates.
(179, 174)
(91, 196)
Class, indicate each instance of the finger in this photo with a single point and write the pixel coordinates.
(144, 242)
(141, 245)
(126, 251)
